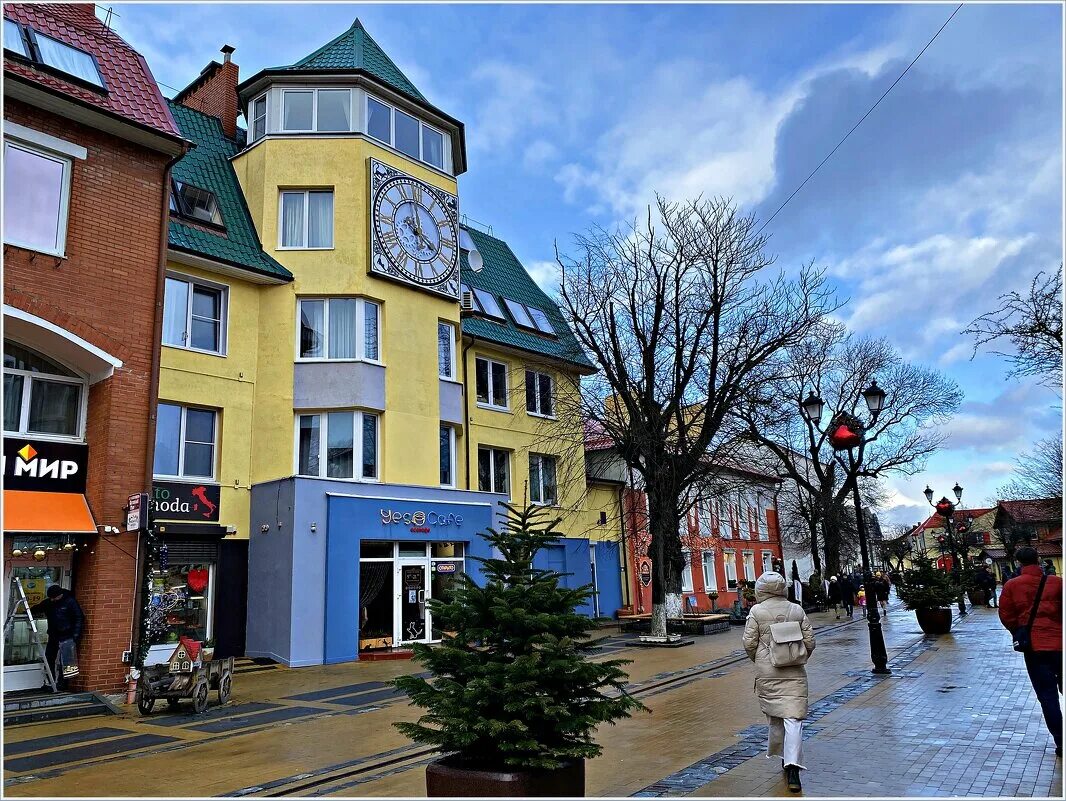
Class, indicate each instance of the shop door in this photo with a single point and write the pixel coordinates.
(412, 578)
(22, 670)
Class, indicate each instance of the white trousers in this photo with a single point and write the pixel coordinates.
(786, 740)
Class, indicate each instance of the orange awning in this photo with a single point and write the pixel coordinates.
(62, 512)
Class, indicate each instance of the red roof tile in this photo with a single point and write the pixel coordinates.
(132, 92)
(1035, 511)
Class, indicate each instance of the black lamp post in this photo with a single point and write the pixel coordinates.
(848, 433)
(946, 509)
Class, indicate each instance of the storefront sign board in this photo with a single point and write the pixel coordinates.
(45, 466)
(173, 500)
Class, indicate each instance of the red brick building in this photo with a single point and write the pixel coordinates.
(88, 145)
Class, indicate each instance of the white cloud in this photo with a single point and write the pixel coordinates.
(538, 154)
(545, 273)
(512, 101)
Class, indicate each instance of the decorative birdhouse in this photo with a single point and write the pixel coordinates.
(845, 432)
(185, 656)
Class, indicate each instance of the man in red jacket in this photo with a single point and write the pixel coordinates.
(1043, 659)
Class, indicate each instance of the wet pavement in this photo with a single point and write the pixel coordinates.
(956, 717)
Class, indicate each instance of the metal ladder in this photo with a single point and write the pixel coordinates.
(23, 603)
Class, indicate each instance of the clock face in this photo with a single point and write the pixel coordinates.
(414, 231)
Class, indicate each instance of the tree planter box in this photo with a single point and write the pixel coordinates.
(978, 597)
(934, 621)
(448, 779)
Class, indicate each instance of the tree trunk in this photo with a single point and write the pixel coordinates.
(831, 541)
(667, 561)
(815, 557)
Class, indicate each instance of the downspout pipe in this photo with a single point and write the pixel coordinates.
(466, 404)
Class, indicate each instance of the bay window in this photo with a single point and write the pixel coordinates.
(542, 484)
(194, 314)
(306, 220)
(490, 379)
(493, 470)
(539, 399)
(184, 442)
(41, 396)
(404, 132)
(259, 116)
(36, 198)
(339, 328)
(324, 110)
(337, 445)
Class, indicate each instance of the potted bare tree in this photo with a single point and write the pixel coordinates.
(511, 698)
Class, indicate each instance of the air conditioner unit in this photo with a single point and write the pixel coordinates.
(466, 303)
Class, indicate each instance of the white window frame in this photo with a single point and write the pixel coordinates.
(307, 218)
(493, 452)
(491, 404)
(360, 328)
(445, 138)
(223, 334)
(314, 110)
(710, 579)
(28, 378)
(451, 345)
(541, 457)
(729, 558)
(551, 390)
(703, 517)
(686, 571)
(744, 558)
(215, 445)
(451, 455)
(64, 197)
(357, 445)
(767, 561)
(254, 117)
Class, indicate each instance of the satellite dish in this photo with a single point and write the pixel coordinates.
(477, 264)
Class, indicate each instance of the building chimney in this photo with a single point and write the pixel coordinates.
(215, 92)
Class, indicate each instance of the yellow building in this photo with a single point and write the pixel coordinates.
(377, 376)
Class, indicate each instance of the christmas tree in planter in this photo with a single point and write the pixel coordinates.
(511, 691)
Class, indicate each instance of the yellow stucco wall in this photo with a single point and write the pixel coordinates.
(225, 383)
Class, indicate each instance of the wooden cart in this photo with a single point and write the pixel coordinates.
(186, 675)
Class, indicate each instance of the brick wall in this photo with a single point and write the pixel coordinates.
(104, 291)
(217, 95)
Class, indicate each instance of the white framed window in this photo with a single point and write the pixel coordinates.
(298, 110)
(194, 314)
(322, 110)
(729, 558)
(259, 117)
(749, 565)
(490, 380)
(66, 58)
(447, 456)
(710, 572)
(761, 523)
(36, 198)
(185, 442)
(305, 219)
(41, 396)
(540, 399)
(338, 328)
(343, 444)
(740, 522)
(686, 571)
(543, 487)
(767, 562)
(493, 470)
(405, 133)
(446, 350)
(703, 517)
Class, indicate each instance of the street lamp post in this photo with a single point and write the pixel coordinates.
(848, 433)
(946, 509)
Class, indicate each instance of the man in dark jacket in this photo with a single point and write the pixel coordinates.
(987, 582)
(847, 595)
(65, 621)
(1043, 660)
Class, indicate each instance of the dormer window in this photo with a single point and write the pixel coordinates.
(195, 203)
(407, 134)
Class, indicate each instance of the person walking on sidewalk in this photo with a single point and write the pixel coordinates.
(847, 596)
(987, 582)
(1032, 601)
(832, 594)
(861, 596)
(780, 683)
(880, 589)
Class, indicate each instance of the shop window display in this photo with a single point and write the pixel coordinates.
(181, 603)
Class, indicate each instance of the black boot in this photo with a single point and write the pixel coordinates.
(792, 775)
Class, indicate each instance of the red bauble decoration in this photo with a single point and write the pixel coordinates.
(197, 579)
(843, 437)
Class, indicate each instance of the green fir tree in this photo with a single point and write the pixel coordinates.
(511, 684)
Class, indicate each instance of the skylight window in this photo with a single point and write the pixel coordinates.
(519, 313)
(488, 304)
(196, 203)
(13, 38)
(65, 58)
(540, 320)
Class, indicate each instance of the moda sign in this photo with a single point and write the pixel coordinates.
(44, 466)
(172, 500)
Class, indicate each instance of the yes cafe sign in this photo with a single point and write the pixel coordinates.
(44, 466)
(420, 522)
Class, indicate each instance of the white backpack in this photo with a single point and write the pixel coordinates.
(786, 643)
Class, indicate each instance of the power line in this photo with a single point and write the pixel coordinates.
(861, 119)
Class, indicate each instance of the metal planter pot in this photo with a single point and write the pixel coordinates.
(447, 778)
(934, 621)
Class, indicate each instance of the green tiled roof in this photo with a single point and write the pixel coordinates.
(356, 50)
(207, 166)
(504, 276)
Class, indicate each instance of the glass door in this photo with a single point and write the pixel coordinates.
(412, 577)
(22, 668)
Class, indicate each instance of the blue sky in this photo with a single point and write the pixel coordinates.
(948, 195)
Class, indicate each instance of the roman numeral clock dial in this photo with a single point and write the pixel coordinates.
(414, 231)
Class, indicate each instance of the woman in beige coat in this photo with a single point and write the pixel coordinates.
(782, 691)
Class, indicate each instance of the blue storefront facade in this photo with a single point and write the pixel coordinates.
(338, 568)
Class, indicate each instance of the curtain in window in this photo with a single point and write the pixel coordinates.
(312, 329)
(54, 408)
(342, 328)
(320, 220)
(64, 57)
(12, 401)
(297, 110)
(33, 197)
(334, 109)
(292, 219)
(309, 444)
(370, 330)
(370, 446)
(340, 445)
(167, 436)
(175, 311)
